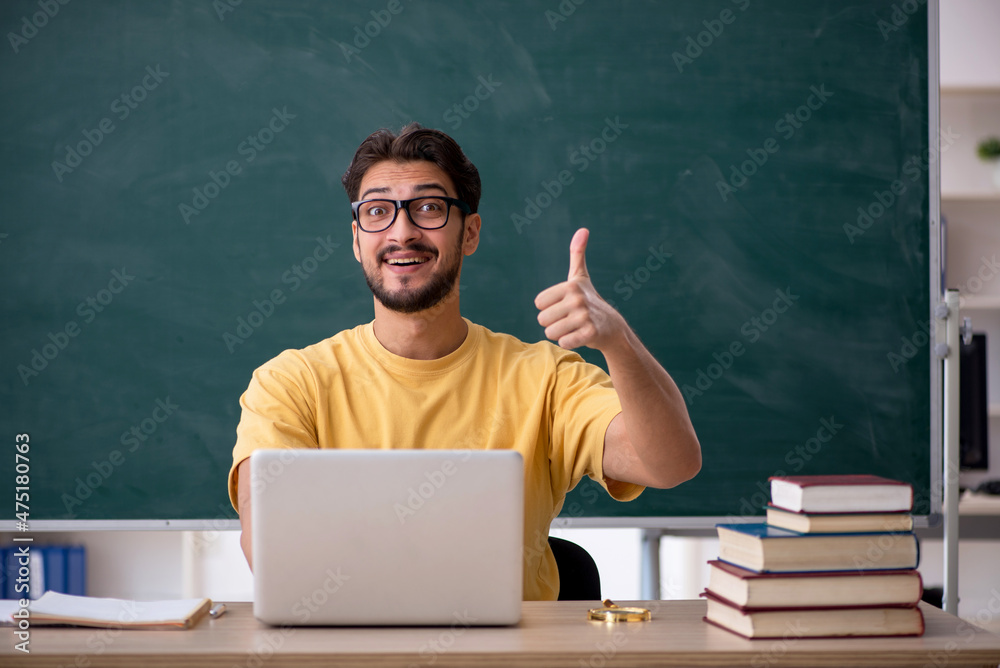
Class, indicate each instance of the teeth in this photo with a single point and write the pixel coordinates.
(406, 260)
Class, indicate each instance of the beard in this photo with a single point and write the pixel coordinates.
(414, 300)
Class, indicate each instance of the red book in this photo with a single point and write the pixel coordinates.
(859, 493)
(744, 588)
(814, 622)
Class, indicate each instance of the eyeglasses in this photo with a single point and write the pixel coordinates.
(427, 213)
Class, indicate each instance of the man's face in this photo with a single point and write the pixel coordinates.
(412, 287)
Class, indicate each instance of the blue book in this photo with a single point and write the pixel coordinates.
(3, 572)
(76, 570)
(11, 565)
(763, 548)
(55, 568)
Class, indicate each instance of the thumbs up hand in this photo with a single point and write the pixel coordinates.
(572, 312)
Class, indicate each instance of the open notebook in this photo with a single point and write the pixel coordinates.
(56, 608)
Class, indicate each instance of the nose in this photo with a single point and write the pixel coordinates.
(403, 231)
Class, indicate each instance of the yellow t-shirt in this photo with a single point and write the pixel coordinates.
(494, 393)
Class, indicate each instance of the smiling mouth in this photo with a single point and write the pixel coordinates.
(406, 261)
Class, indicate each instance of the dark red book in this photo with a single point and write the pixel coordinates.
(814, 622)
(858, 493)
(744, 588)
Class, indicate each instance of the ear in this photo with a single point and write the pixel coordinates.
(471, 241)
(356, 244)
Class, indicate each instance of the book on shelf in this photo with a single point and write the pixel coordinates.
(814, 622)
(856, 493)
(76, 570)
(839, 522)
(55, 608)
(59, 568)
(836, 589)
(763, 548)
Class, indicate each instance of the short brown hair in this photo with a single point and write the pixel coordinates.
(415, 142)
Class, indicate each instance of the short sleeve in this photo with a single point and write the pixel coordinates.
(584, 402)
(277, 412)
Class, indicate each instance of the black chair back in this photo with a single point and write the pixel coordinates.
(579, 579)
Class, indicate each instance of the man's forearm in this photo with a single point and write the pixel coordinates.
(660, 448)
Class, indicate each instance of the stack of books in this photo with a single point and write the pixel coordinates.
(837, 557)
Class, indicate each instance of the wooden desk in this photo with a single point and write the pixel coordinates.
(550, 635)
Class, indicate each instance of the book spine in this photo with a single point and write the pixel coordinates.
(76, 571)
(55, 569)
(10, 565)
(37, 578)
(3, 573)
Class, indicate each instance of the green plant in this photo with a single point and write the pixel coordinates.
(989, 148)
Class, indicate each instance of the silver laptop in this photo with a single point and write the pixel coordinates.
(387, 537)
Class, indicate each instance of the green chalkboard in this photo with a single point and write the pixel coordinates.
(173, 218)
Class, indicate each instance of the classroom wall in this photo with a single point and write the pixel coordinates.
(152, 564)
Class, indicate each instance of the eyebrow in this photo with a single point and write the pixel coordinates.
(418, 188)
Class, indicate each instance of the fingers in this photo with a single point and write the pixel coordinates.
(558, 303)
(571, 332)
(577, 254)
(550, 296)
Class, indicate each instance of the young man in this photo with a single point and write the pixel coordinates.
(421, 376)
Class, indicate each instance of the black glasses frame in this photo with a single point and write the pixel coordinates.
(405, 204)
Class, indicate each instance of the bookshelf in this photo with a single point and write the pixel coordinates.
(970, 197)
